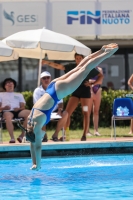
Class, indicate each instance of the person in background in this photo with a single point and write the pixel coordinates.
(104, 88)
(130, 83)
(110, 85)
(82, 94)
(95, 100)
(38, 93)
(12, 105)
(122, 84)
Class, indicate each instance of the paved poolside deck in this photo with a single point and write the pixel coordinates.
(73, 147)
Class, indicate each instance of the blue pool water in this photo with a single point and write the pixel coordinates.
(72, 178)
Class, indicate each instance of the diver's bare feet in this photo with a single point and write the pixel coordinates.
(111, 48)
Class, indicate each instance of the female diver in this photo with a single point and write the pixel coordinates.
(58, 89)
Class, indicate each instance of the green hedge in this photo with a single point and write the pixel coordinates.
(28, 96)
(105, 113)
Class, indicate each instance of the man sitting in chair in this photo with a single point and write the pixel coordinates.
(12, 105)
(38, 93)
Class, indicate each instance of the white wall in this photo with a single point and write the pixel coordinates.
(18, 16)
(86, 19)
(105, 19)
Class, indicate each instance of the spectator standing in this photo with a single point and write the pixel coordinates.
(12, 105)
(95, 100)
(82, 94)
(130, 83)
(38, 93)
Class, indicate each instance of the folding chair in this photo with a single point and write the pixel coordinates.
(2, 120)
(122, 110)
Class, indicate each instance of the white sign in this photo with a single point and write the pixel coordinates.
(114, 70)
(91, 19)
(19, 16)
(0, 21)
(86, 19)
(116, 19)
(70, 18)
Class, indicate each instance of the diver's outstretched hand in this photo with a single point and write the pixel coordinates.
(34, 167)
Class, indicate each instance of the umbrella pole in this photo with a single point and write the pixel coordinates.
(39, 70)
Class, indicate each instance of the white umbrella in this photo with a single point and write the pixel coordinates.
(7, 53)
(43, 42)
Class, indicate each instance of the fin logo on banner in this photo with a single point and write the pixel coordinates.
(99, 17)
(84, 17)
